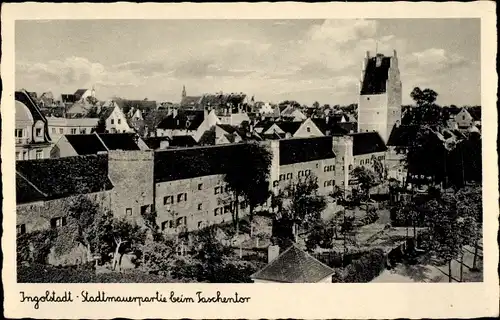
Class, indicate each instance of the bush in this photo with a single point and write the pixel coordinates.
(366, 268)
(39, 273)
(34, 247)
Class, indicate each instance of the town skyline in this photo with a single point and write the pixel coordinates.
(273, 60)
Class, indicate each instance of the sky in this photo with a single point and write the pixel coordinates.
(273, 60)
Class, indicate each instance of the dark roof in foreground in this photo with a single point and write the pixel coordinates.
(119, 141)
(177, 164)
(85, 143)
(367, 142)
(305, 149)
(294, 266)
(47, 179)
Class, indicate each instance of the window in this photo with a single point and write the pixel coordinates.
(200, 206)
(227, 208)
(200, 186)
(119, 121)
(275, 183)
(144, 209)
(18, 154)
(181, 197)
(307, 172)
(21, 229)
(367, 98)
(227, 189)
(61, 130)
(38, 132)
(128, 211)
(19, 133)
(308, 129)
(200, 224)
(326, 183)
(301, 173)
(218, 190)
(166, 224)
(217, 211)
(350, 167)
(327, 168)
(179, 221)
(25, 155)
(289, 176)
(39, 154)
(73, 130)
(57, 222)
(112, 121)
(332, 168)
(83, 131)
(361, 162)
(243, 205)
(282, 177)
(168, 200)
(317, 165)
(53, 130)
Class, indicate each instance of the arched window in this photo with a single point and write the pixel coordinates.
(350, 167)
(361, 162)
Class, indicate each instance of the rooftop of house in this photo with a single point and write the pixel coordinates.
(334, 128)
(294, 266)
(375, 76)
(287, 126)
(24, 97)
(185, 119)
(47, 179)
(402, 136)
(80, 92)
(475, 113)
(186, 163)
(143, 105)
(367, 142)
(305, 149)
(190, 101)
(85, 144)
(222, 99)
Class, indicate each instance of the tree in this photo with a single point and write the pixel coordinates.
(126, 237)
(91, 223)
(423, 97)
(101, 126)
(321, 235)
(304, 205)
(247, 175)
(366, 179)
(91, 100)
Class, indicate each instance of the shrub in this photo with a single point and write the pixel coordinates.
(34, 247)
(39, 273)
(371, 216)
(366, 268)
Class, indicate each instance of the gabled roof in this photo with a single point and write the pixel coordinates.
(182, 141)
(289, 126)
(475, 113)
(228, 128)
(294, 266)
(79, 93)
(305, 149)
(402, 136)
(367, 142)
(62, 177)
(85, 144)
(106, 112)
(119, 141)
(334, 128)
(375, 77)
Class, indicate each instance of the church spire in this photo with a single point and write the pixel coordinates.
(183, 91)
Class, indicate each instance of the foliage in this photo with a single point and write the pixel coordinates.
(126, 237)
(101, 126)
(371, 216)
(248, 174)
(321, 235)
(34, 247)
(366, 268)
(367, 179)
(304, 205)
(157, 255)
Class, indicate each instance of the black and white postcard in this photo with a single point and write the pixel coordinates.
(276, 160)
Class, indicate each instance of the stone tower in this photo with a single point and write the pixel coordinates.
(380, 99)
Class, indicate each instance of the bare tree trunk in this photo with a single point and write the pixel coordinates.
(116, 254)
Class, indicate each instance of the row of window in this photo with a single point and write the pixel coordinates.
(221, 189)
(181, 197)
(170, 224)
(113, 121)
(287, 176)
(19, 133)
(329, 183)
(72, 131)
(25, 155)
(228, 208)
(329, 168)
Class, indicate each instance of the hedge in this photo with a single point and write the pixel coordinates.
(366, 268)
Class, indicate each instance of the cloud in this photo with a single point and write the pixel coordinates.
(342, 31)
(434, 60)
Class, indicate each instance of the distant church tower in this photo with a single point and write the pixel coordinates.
(183, 92)
(380, 99)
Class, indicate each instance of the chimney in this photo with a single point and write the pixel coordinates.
(272, 253)
(395, 54)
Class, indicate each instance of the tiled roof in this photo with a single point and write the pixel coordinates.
(294, 266)
(106, 112)
(79, 93)
(289, 126)
(143, 105)
(119, 141)
(154, 143)
(375, 77)
(186, 119)
(402, 136)
(188, 163)
(182, 141)
(305, 149)
(62, 177)
(228, 128)
(367, 142)
(85, 144)
(27, 100)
